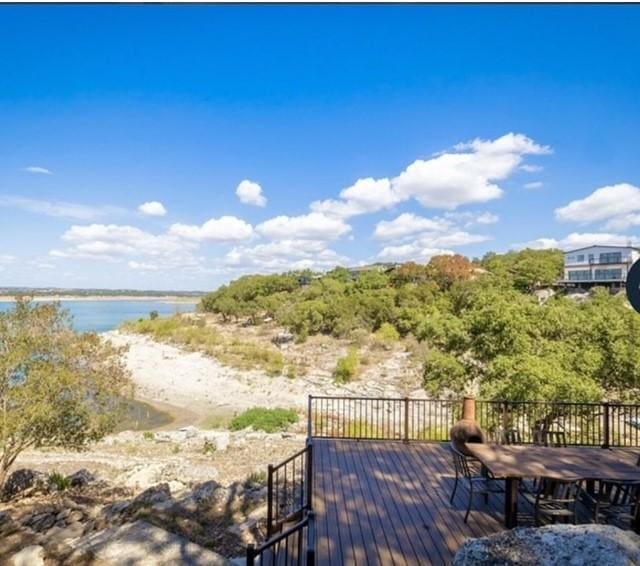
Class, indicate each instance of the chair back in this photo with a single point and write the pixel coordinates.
(461, 462)
(555, 438)
(552, 490)
(512, 436)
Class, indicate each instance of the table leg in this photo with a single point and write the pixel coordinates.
(511, 503)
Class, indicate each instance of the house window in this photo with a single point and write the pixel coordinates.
(571, 258)
(580, 258)
(608, 274)
(611, 257)
(579, 275)
(591, 258)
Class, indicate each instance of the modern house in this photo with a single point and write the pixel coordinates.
(599, 265)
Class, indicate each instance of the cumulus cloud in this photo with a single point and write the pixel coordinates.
(58, 209)
(428, 244)
(250, 193)
(37, 170)
(152, 208)
(578, 240)
(364, 196)
(312, 226)
(111, 241)
(467, 219)
(407, 224)
(284, 255)
(223, 229)
(616, 205)
(467, 174)
(531, 168)
(534, 185)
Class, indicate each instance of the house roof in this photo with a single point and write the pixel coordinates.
(601, 246)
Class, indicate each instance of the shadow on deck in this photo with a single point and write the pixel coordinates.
(387, 502)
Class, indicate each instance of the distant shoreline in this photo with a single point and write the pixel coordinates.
(159, 299)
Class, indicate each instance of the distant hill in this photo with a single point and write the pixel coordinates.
(60, 291)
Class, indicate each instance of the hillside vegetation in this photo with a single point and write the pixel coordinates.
(482, 329)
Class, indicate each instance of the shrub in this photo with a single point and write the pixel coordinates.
(153, 315)
(59, 481)
(387, 334)
(268, 420)
(148, 435)
(347, 367)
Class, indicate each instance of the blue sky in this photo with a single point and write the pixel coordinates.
(362, 133)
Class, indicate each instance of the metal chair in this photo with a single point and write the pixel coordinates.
(470, 469)
(556, 499)
(555, 438)
(512, 436)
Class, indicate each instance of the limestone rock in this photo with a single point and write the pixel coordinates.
(587, 545)
(153, 495)
(81, 478)
(22, 480)
(32, 555)
(143, 544)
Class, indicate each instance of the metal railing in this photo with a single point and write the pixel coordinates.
(294, 546)
(289, 489)
(586, 424)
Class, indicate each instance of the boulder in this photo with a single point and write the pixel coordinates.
(22, 480)
(143, 544)
(153, 495)
(552, 546)
(81, 478)
(32, 555)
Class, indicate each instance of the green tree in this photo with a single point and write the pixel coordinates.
(57, 388)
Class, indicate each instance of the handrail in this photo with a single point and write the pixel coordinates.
(401, 418)
(288, 547)
(289, 488)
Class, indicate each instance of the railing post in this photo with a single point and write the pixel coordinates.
(311, 539)
(269, 500)
(309, 404)
(251, 555)
(309, 474)
(406, 419)
(605, 426)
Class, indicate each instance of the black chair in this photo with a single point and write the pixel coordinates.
(555, 438)
(615, 501)
(479, 481)
(556, 499)
(512, 436)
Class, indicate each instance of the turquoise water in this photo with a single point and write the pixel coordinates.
(100, 316)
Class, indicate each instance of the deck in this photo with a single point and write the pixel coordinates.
(387, 502)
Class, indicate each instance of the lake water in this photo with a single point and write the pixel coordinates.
(100, 316)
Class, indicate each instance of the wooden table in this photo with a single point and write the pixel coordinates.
(527, 461)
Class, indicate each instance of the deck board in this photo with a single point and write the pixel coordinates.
(385, 502)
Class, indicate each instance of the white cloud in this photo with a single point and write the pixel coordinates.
(312, 226)
(407, 224)
(250, 192)
(58, 209)
(284, 255)
(447, 180)
(534, 185)
(410, 252)
(452, 179)
(37, 170)
(467, 219)
(618, 205)
(577, 240)
(531, 168)
(223, 229)
(364, 196)
(152, 208)
(427, 245)
(96, 241)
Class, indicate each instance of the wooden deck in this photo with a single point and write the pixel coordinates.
(386, 502)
